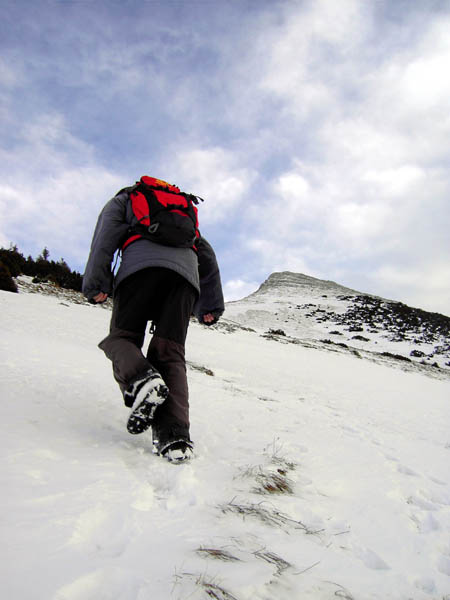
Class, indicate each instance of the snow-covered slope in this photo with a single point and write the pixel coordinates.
(317, 475)
(307, 308)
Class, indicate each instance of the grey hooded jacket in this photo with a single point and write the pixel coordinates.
(199, 268)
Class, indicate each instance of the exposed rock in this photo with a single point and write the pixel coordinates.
(276, 332)
(396, 356)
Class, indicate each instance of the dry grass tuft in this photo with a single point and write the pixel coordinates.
(342, 592)
(272, 477)
(268, 516)
(200, 368)
(209, 586)
(213, 590)
(217, 554)
(272, 558)
(273, 483)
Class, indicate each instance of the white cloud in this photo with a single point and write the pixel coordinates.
(43, 146)
(417, 77)
(284, 209)
(424, 286)
(357, 225)
(294, 185)
(308, 54)
(235, 289)
(52, 192)
(214, 174)
(273, 255)
(320, 215)
(58, 212)
(396, 181)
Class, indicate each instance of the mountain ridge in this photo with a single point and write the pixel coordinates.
(307, 308)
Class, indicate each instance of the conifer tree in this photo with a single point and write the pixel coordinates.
(7, 283)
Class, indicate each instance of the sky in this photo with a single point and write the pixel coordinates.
(316, 131)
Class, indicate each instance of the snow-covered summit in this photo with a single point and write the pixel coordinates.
(306, 308)
(286, 283)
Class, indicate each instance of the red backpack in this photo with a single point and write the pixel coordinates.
(163, 214)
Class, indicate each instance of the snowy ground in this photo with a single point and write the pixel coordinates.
(317, 475)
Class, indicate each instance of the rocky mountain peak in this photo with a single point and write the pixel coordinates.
(306, 308)
(290, 283)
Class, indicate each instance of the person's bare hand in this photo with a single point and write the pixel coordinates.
(208, 318)
(100, 297)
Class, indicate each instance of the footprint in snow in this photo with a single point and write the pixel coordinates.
(351, 430)
(175, 487)
(370, 559)
(99, 531)
(419, 499)
(426, 584)
(407, 471)
(391, 458)
(443, 565)
(426, 522)
(438, 481)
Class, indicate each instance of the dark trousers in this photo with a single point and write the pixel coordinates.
(164, 297)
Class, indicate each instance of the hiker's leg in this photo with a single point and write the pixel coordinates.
(168, 358)
(128, 323)
(166, 350)
(123, 350)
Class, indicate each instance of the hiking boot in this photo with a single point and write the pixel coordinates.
(147, 392)
(173, 443)
(178, 451)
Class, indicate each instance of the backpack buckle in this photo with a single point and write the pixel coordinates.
(153, 228)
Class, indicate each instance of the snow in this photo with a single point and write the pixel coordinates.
(359, 451)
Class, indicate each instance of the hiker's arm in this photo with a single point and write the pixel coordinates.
(210, 304)
(109, 232)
